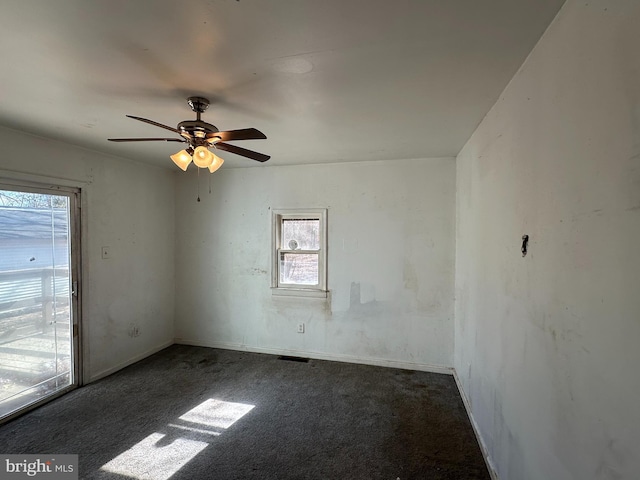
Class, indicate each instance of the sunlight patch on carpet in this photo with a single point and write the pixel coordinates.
(147, 460)
(160, 456)
(216, 413)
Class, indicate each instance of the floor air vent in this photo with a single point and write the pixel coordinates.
(293, 359)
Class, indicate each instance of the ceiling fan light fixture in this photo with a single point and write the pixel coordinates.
(217, 163)
(182, 159)
(202, 157)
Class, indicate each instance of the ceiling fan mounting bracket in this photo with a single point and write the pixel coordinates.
(198, 104)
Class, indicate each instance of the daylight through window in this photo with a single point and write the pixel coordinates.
(299, 251)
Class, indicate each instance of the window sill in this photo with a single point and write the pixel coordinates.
(298, 292)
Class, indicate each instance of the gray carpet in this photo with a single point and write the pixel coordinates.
(200, 413)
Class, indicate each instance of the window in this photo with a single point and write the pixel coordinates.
(300, 252)
(39, 270)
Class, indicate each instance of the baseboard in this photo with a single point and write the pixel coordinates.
(476, 430)
(378, 362)
(131, 361)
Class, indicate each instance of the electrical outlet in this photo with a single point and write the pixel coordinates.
(301, 328)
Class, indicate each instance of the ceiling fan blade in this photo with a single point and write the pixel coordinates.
(146, 140)
(243, 134)
(151, 122)
(260, 157)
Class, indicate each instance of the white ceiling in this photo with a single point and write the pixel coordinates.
(325, 80)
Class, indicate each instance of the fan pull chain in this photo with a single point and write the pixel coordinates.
(210, 184)
(198, 184)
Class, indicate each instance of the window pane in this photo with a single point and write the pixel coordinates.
(35, 299)
(301, 234)
(300, 269)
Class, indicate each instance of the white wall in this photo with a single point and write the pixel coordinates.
(391, 238)
(546, 346)
(130, 208)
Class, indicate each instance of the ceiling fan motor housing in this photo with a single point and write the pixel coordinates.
(196, 130)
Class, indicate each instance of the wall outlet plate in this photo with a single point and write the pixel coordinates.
(300, 328)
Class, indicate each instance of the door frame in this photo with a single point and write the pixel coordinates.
(75, 259)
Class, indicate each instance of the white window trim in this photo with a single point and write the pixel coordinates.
(320, 290)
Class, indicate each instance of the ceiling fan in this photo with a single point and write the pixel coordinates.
(200, 136)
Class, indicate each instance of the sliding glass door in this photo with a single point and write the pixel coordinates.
(38, 295)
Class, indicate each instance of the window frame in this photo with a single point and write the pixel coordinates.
(73, 194)
(277, 217)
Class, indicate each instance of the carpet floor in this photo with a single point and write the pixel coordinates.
(199, 413)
